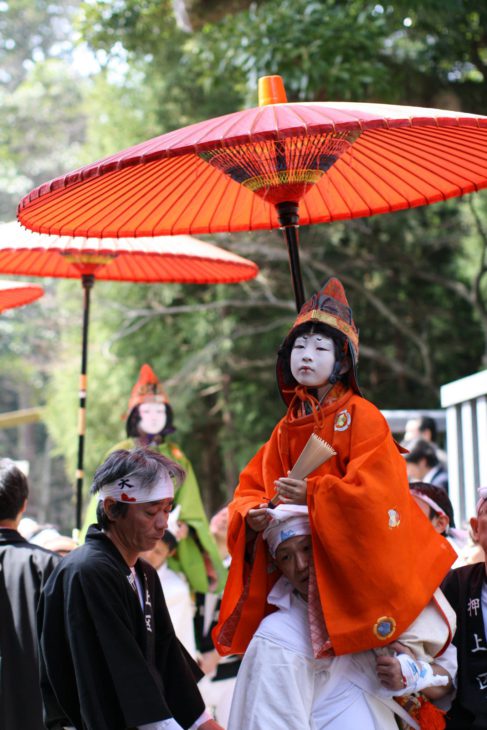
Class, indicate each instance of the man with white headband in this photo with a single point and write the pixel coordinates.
(110, 659)
(282, 685)
(435, 503)
(466, 590)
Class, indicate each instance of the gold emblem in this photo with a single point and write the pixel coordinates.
(343, 421)
(384, 627)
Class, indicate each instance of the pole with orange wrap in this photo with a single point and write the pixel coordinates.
(87, 281)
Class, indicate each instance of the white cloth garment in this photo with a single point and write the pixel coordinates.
(218, 697)
(280, 684)
(180, 606)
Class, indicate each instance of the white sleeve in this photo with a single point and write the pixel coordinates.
(448, 661)
(169, 724)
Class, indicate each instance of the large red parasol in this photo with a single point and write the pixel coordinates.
(280, 164)
(15, 294)
(178, 259)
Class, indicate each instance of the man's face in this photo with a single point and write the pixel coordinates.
(143, 525)
(152, 418)
(412, 432)
(416, 472)
(439, 521)
(479, 527)
(293, 558)
(312, 360)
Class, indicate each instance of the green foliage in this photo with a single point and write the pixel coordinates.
(30, 33)
(324, 49)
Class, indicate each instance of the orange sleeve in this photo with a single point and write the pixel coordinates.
(378, 559)
(244, 599)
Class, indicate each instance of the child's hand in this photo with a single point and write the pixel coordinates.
(258, 518)
(291, 491)
(389, 672)
(402, 674)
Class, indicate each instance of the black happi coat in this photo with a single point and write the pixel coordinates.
(107, 664)
(462, 587)
(24, 569)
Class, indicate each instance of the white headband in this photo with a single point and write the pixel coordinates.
(129, 489)
(428, 500)
(287, 520)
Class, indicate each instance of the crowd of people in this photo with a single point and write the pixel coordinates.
(339, 596)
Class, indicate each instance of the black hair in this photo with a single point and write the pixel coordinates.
(117, 509)
(14, 489)
(438, 495)
(339, 341)
(427, 423)
(142, 463)
(423, 450)
(132, 425)
(169, 540)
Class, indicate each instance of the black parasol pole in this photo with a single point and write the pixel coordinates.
(288, 216)
(87, 281)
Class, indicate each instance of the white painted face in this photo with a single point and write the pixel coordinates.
(312, 360)
(153, 418)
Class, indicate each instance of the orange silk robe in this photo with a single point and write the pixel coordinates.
(378, 559)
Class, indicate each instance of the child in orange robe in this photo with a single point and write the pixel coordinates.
(378, 561)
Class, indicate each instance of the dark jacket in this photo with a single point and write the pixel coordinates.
(463, 589)
(106, 663)
(24, 569)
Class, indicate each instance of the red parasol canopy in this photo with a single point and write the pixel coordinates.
(180, 259)
(280, 164)
(15, 294)
(403, 157)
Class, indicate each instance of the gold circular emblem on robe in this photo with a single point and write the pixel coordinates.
(343, 421)
(384, 627)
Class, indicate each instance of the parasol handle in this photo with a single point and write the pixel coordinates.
(87, 281)
(288, 216)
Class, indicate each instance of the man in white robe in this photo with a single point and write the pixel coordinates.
(281, 683)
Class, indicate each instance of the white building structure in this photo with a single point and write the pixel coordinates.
(465, 402)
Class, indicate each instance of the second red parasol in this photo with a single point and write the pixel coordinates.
(178, 259)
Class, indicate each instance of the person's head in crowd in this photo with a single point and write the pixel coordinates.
(164, 549)
(479, 522)
(420, 460)
(14, 491)
(421, 428)
(219, 529)
(47, 536)
(60, 544)
(149, 414)
(435, 504)
(135, 495)
(288, 537)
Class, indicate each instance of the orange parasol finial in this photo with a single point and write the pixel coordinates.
(271, 90)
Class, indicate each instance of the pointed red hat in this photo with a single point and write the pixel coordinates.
(328, 306)
(147, 389)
